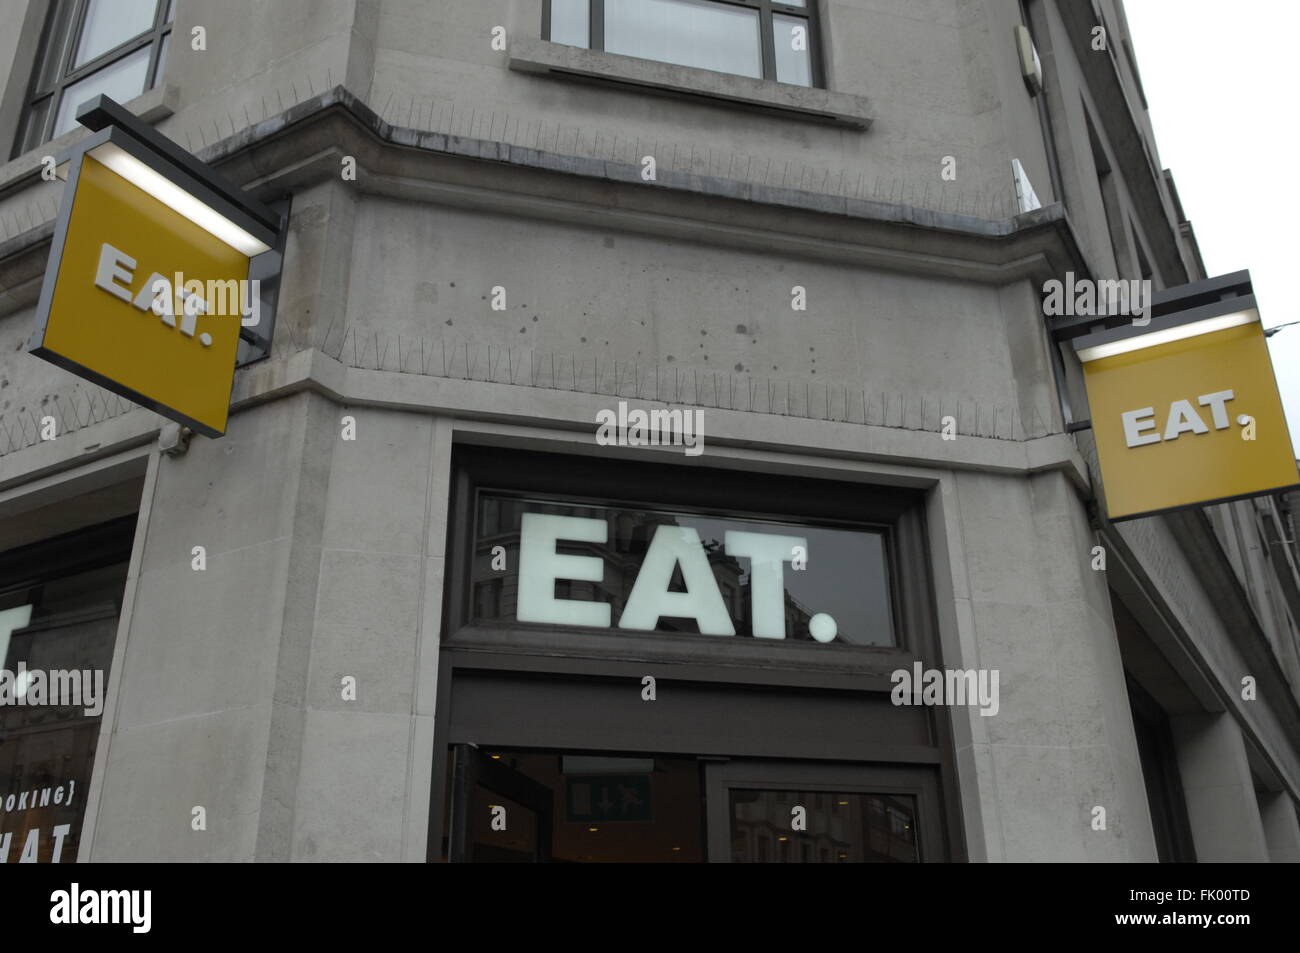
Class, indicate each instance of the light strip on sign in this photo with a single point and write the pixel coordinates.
(177, 199)
(1191, 329)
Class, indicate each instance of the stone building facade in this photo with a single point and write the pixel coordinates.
(509, 216)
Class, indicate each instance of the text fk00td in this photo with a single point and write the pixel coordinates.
(116, 272)
(671, 547)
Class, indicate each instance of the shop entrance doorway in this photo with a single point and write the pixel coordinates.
(650, 662)
(537, 806)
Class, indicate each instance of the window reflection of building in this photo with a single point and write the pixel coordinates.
(841, 828)
(796, 621)
(59, 614)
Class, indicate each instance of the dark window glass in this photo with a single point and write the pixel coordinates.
(1169, 821)
(56, 648)
(855, 828)
(52, 769)
(845, 577)
(161, 69)
(36, 120)
(58, 37)
(513, 843)
(586, 808)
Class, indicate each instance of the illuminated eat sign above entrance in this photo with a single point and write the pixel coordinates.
(1186, 410)
(148, 291)
(598, 567)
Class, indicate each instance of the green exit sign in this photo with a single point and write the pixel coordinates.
(607, 797)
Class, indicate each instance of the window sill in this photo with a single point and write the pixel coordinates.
(152, 106)
(799, 102)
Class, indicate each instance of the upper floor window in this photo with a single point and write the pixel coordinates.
(88, 47)
(765, 39)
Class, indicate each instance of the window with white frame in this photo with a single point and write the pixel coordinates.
(765, 39)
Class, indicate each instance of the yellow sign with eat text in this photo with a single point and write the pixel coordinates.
(145, 302)
(1188, 422)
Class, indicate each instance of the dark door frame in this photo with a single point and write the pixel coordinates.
(471, 769)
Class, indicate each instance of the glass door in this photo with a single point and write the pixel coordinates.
(531, 806)
(791, 813)
(499, 814)
(511, 805)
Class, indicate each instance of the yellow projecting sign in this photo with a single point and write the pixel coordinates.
(148, 282)
(1186, 414)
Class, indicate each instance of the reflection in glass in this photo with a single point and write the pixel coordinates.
(51, 67)
(845, 575)
(122, 80)
(56, 766)
(606, 809)
(160, 72)
(34, 123)
(47, 750)
(571, 22)
(110, 23)
(841, 828)
(791, 41)
(516, 844)
(10, 619)
(686, 32)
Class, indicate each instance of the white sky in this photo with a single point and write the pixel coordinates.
(1220, 80)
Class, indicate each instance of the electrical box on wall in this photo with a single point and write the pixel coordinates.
(1031, 67)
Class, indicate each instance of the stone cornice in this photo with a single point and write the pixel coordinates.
(305, 145)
